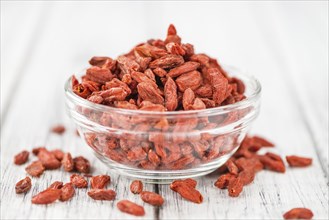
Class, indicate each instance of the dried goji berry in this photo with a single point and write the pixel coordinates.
(67, 192)
(35, 169)
(102, 194)
(21, 158)
(81, 164)
(130, 208)
(136, 187)
(48, 160)
(298, 213)
(59, 129)
(235, 187)
(152, 198)
(78, 181)
(187, 190)
(100, 181)
(47, 196)
(223, 181)
(56, 185)
(67, 162)
(296, 161)
(23, 185)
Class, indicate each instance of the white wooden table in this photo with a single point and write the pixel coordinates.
(284, 44)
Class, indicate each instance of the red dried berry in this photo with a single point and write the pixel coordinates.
(296, 161)
(130, 208)
(78, 181)
(21, 158)
(67, 193)
(136, 187)
(23, 185)
(58, 129)
(46, 197)
(35, 169)
(102, 194)
(81, 164)
(100, 181)
(298, 213)
(152, 198)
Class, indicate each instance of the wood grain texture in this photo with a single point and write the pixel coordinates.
(274, 41)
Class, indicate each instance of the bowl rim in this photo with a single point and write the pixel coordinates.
(254, 96)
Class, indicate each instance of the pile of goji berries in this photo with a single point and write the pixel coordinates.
(160, 75)
(165, 75)
(237, 172)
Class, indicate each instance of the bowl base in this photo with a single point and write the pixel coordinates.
(164, 176)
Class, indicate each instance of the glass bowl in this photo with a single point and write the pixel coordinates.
(162, 146)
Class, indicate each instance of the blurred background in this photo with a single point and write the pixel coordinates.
(283, 43)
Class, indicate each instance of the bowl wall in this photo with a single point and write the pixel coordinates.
(161, 146)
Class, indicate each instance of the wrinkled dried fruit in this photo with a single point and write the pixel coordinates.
(186, 67)
(152, 198)
(235, 187)
(102, 194)
(36, 150)
(192, 80)
(67, 193)
(35, 169)
(252, 163)
(81, 164)
(189, 193)
(67, 162)
(296, 161)
(46, 197)
(98, 74)
(246, 176)
(23, 185)
(170, 92)
(153, 158)
(59, 154)
(219, 84)
(136, 154)
(186, 188)
(273, 162)
(190, 182)
(175, 48)
(160, 72)
(200, 58)
(21, 158)
(298, 213)
(58, 129)
(188, 99)
(223, 181)
(78, 181)
(100, 181)
(56, 185)
(232, 168)
(141, 77)
(136, 187)
(148, 92)
(130, 208)
(167, 61)
(48, 160)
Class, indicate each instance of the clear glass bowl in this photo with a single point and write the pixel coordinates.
(162, 146)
